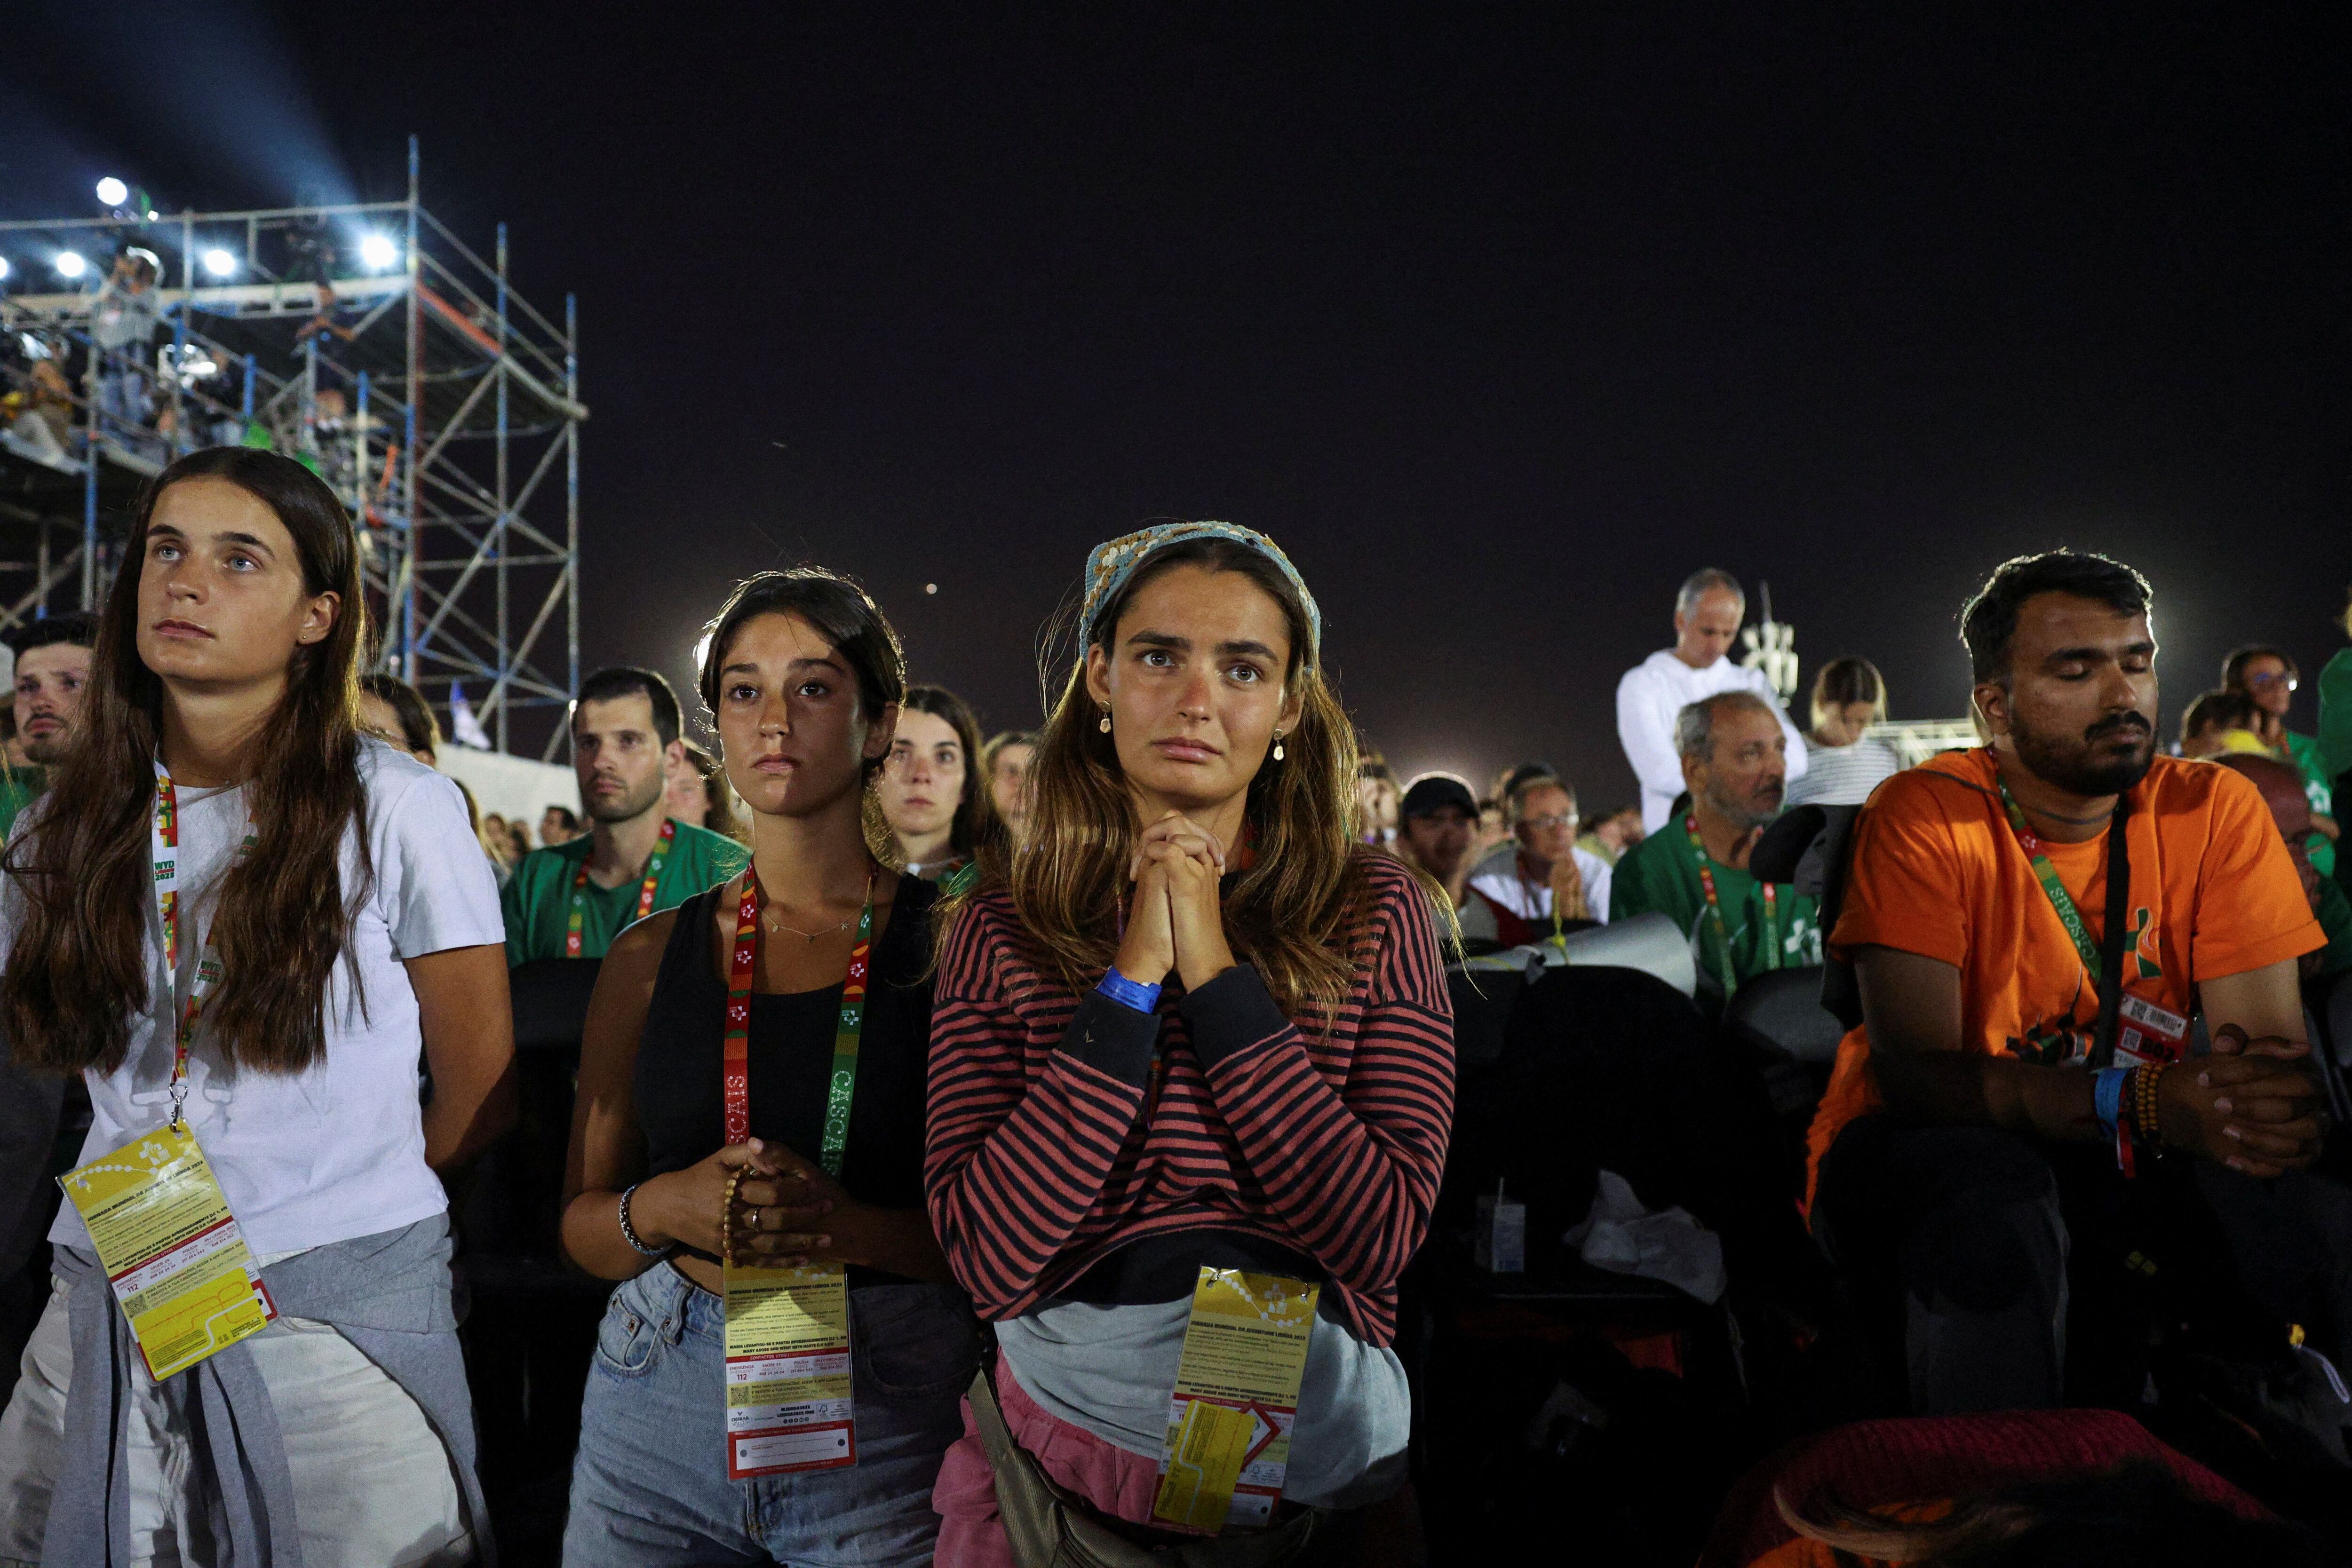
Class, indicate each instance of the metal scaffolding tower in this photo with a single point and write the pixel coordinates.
(367, 341)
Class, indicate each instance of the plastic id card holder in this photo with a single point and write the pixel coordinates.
(2148, 1033)
(187, 1283)
(1236, 1398)
(788, 1399)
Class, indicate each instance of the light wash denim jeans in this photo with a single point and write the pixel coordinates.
(650, 1484)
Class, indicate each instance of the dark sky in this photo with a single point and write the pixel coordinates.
(1501, 322)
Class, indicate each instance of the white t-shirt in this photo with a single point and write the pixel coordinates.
(338, 1150)
(1651, 695)
(1497, 877)
(1844, 775)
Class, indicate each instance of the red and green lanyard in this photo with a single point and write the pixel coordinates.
(166, 841)
(843, 1084)
(645, 892)
(1714, 910)
(2047, 875)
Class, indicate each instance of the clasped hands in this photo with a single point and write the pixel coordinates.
(785, 1211)
(2250, 1106)
(1175, 920)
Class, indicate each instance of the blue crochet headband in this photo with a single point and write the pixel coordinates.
(1110, 565)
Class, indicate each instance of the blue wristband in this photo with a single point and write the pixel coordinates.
(1128, 993)
(2107, 1095)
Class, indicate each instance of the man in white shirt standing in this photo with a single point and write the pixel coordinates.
(1708, 614)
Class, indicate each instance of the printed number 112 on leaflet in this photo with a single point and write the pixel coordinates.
(788, 1387)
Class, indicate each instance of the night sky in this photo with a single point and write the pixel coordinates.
(1501, 323)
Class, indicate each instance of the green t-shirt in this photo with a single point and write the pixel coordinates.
(537, 900)
(2318, 788)
(2336, 714)
(18, 790)
(2336, 919)
(1659, 875)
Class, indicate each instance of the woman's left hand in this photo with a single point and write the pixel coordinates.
(1196, 913)
(798, 1217)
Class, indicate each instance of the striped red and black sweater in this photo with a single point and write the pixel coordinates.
(1041, 1158)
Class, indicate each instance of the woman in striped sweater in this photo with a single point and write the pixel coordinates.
(1190, 1022)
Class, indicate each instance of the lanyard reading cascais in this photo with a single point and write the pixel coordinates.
(2047, 875)
(843, 1084)
(579, 915)
(166, 842)
(787, 1347)
(1714, 910)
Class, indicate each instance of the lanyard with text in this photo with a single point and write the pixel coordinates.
(187, 1283)
(2133, 1028)
(2047, 875)
(1714, 910)
(579, 915)
(788, 1403)
(166, 845)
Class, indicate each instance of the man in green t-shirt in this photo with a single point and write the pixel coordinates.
(2283, 791)
(638, 860)
(53, 658)
(1733, 753)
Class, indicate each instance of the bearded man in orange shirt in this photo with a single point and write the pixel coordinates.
(2021, 1114)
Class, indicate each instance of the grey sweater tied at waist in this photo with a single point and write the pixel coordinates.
(388, 1294)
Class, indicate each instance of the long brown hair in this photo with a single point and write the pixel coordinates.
(77, 969)
(975, 812)
(1300, 892)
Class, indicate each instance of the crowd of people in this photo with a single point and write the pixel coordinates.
(943, 1106)
(145, 393)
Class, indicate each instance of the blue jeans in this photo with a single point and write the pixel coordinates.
(650, 1487)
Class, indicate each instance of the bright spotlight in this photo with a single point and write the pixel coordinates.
(220, 263)
(376, 252)
(112, 192)
(69, 264)
(4, 267)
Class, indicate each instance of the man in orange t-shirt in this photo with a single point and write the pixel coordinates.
(1971, 1127)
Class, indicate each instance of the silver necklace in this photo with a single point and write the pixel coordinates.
(777, 924)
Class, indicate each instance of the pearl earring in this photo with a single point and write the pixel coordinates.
(1277, 746)
(1105, 726)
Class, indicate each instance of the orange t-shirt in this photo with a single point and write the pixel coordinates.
(1937, 872)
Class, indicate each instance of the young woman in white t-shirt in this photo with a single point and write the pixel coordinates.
(357, 934)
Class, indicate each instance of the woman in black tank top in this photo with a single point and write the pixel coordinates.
(805, 1148)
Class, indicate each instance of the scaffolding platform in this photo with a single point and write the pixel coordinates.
(365, 340)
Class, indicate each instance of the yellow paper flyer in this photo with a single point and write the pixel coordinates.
(187, 1281)
(788, 1395)
(1236, 1398)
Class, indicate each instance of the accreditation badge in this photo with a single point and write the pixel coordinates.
(187, 1283)
(2146, 1033)
(1237, 1399)
(788, 1397)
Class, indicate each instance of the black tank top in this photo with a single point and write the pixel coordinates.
(681, 1100)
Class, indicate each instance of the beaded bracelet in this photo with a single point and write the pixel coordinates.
(2144, 1099)
(629, 1231)
(726, 1211)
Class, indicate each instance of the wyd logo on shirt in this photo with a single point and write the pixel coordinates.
(1802, 945)
(2144, 945)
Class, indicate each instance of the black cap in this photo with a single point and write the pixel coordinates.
(1432, 792)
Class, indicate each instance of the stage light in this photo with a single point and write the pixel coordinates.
(220, 263)
(376, 252)
(112, 192)
(4, 267)
(69, 264)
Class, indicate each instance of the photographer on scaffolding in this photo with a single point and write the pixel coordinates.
(123, 317)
